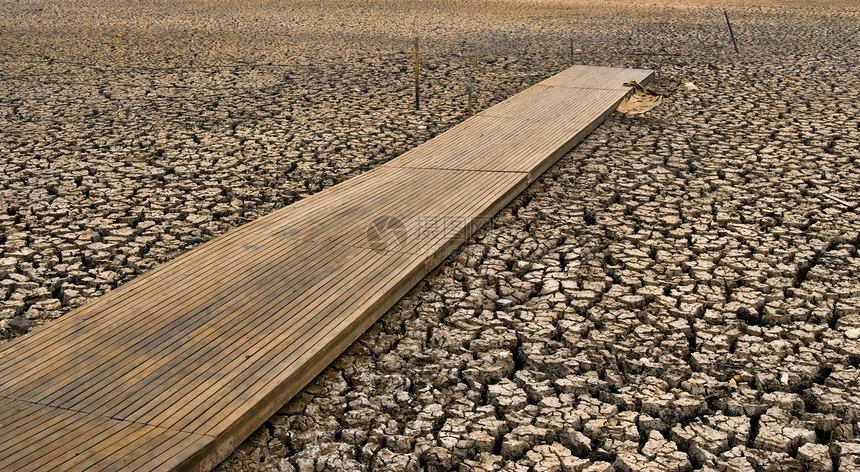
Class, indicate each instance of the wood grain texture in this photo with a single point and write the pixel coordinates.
(175, 368)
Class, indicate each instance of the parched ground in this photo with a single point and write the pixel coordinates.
(677, 293)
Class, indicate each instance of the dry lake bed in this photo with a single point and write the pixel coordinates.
(679, 292)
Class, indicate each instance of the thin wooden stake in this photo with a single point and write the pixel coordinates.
(470, 87)
(571, 51)
(416, 53)
(469, 106)
(731, 33)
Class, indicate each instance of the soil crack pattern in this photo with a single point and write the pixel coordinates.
(679, 292)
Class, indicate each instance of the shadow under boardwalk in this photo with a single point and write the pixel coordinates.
(175, 368)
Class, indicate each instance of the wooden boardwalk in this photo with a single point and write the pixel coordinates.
(175, 368)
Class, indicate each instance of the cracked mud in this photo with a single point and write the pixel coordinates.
(677, 293)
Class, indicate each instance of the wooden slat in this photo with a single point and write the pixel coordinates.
(593, 77)
(78, 441)
(175, 368)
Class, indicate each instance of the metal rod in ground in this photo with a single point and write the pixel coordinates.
(731, 33)
(416, 53)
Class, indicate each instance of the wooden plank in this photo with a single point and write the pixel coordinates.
(79, 441)
(598, 77)
(81, 386)
(175, 368)
(59, 436)
(85, 447)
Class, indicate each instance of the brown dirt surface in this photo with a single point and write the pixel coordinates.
(678, 293)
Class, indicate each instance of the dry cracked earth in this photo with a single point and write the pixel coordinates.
(679, 292)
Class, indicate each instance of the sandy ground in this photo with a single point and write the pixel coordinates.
(677, 293)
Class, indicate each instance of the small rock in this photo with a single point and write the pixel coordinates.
(19, 323)
(815, 457)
